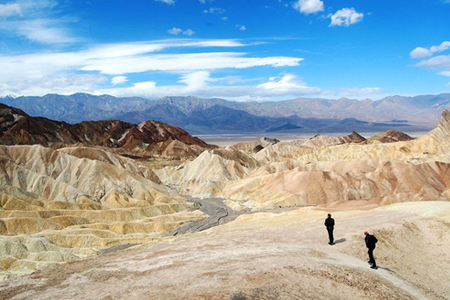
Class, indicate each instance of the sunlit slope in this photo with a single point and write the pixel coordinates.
(321, 171)
(74, 201)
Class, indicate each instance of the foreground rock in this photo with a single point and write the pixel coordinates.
(269, 256)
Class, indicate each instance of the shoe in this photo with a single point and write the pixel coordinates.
(374, 267)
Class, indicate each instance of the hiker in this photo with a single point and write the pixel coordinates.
(329, 224)
(371, 240)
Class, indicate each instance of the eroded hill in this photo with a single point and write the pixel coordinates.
(64, 204)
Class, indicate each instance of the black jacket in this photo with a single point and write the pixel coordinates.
(329, 222)
(371, 240)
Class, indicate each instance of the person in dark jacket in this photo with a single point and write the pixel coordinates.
(329, 224)
(371, 241)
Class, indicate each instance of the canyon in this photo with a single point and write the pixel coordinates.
(149, 211)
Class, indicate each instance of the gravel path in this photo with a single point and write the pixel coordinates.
(218, 213)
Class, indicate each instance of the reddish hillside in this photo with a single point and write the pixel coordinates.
(18, 128)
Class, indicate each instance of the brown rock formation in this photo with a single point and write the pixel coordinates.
(18, 128)
(390, 136)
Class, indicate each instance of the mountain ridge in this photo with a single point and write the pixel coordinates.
(18, 128)
(198, 115)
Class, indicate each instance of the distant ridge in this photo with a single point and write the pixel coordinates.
(18, 128)
(197, 115)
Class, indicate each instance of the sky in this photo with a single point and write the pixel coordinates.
(241, 50)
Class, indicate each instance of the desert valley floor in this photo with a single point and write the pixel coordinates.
(238, 222)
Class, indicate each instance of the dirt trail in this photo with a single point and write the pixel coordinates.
(218, 213)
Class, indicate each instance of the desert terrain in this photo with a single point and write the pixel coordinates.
(244, 221)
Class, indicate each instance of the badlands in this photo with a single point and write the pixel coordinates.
(237, 222)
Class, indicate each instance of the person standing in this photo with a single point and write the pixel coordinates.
(371, 241)
(329, 224)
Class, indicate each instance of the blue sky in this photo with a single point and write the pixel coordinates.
(233, 49)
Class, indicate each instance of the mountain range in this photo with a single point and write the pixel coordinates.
(207, 116)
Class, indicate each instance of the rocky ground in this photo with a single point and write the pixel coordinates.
(269, 256)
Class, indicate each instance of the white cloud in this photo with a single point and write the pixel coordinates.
(183, 62)
(61, 83)
(34, 20)
(11, 9)
(288, 84)
(189, 32)
(214, 10)
(118, 80)
(346, 17)
(88, 70)
(44, 31)
(198, 84)
(308, 6)
(195, 81)
(440, 63)
(241, 27)
(170, 2)
(421, 52)
(175, 31)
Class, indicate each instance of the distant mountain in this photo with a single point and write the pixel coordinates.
(214, 115)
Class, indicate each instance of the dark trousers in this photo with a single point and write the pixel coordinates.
(330, 234)
(371, 258)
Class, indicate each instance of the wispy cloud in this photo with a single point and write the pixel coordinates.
(35, 21)
(11, 9)
(200, 84)
(308, 6)
(346, 17)
(214, 10)
(170, 2)
(93, 68)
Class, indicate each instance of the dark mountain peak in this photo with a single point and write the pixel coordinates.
(391, 136)
(17, 128)
(354, 137)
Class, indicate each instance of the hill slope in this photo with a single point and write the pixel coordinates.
(18, 128)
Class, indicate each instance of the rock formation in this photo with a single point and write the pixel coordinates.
(155, 138)
(90, 188)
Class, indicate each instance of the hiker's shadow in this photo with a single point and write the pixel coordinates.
(387, 269)
(340, 241)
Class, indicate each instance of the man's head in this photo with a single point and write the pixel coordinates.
(366, 232)
(329, 215)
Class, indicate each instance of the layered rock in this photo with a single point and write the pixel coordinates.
(81, 200)
(155, 138)
(325, 170)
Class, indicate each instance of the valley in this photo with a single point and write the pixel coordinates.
(157, 213)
